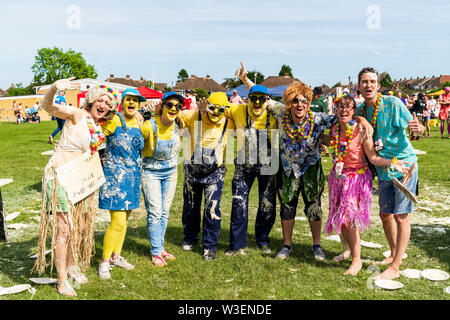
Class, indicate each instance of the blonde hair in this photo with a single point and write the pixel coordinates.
(93, 94)
(296, 88)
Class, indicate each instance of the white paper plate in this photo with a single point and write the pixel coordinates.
(4, 182)
(447, 290)
(388, 284)
(434, 274)
(48, 153)
(12, 216)
(17, 226)
(300, 218)
(411, 273)
(388, 254)
(371, 244)
(34, 256)
(43, 280)
(15, 289)
(334, 237)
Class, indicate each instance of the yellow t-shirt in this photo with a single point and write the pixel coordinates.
(211, 132)
(110, 126)
(238, 112)
(150, 139)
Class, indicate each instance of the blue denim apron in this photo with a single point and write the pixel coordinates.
(166, 151)
(122, 169)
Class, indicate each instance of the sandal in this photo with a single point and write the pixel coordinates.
(75, 274)
(167, 255)
(159, 261)
(68, 291)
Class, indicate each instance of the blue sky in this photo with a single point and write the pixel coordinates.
(322, 41)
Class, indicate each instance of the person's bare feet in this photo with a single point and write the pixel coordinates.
(65, 289)
(386, 261)
(343, 256)
(389, 274)
(354, 268)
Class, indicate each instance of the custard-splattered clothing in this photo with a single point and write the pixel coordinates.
(124, 144)
(392, 120)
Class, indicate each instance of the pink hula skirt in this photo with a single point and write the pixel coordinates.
(350, 199)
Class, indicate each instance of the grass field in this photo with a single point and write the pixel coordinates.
(254, 276)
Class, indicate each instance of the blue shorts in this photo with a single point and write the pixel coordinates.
(392, 200)
(427, 118)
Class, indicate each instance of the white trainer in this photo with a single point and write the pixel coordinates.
(103, 270)
(122, 263)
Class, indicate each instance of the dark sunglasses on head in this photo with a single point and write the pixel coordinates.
(213, 107)
(255, 98)
(170, 105)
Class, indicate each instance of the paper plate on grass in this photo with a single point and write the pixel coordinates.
(388, 284)
(411, 273)
(334, 237)
(434, 275)
(447, 290)
(34, 256)
(15, 289)
(48, 153)
(43, 280)
(371, 244)
(12, 216)
(387, 254)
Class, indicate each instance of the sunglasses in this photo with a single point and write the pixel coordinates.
(213, 107)
(302, 101)
(256, 98)
(170, 105)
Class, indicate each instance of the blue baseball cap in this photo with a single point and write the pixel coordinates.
(174, 95)
(133, 92)
(258, 88)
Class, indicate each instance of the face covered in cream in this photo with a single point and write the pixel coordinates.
(257, 103)
(216, 112)
(171, 108)
(130, 105)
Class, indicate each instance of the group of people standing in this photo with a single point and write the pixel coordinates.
(277, 144)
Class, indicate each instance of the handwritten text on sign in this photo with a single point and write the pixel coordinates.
(81, 177)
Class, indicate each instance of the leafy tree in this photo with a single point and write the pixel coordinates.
(255, 76)
(386, 82)
(52, 64)
(232, 83)
(149, 84)
(201, 93)
(19, 90)
(285, 69)
(182, 76)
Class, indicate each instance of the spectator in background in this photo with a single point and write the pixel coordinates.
(36, 106)
(434, 107)
(426, 116)
(319, 103)
(190, 102)
(418, 108)
(235, 98)
(400, 96)
(359, 99)
(444, 101)
(410, 102)
(60, 100)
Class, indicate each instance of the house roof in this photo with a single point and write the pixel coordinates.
(2, 92)
(276, 81)
(127, 81)
(194, 82)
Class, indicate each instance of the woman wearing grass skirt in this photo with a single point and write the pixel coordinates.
(72, 224)
(350, 180)
(159, 177)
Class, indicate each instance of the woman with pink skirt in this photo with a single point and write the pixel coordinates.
(350, 180)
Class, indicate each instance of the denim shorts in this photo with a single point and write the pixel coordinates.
(392, 200)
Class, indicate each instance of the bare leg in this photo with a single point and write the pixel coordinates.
(344, 255)
(316, 227)
(61, 252)
(403, 235)
(390, 231)
(351, 236)
(287, 226)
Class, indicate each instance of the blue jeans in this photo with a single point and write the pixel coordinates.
(60, 126)
(158, 188)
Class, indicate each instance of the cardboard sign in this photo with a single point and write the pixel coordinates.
(81, 177)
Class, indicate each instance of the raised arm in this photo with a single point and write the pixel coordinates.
(241, 73)
(60, 111)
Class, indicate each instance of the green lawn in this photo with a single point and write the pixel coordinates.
(252, 277)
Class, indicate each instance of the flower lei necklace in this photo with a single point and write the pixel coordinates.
(339, 150)
(373, 122)
(298, 134)
(97, 136)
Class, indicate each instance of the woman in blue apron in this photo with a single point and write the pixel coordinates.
(159, 180)
(205, 173)
(121, 191)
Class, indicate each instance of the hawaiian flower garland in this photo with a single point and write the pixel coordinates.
(97, 136)
(110, 115)
(339, 151)
(300, 133)
(373, 122)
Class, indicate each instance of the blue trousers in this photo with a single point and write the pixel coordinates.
(193, 191)
(265, 217)
(60, 126)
